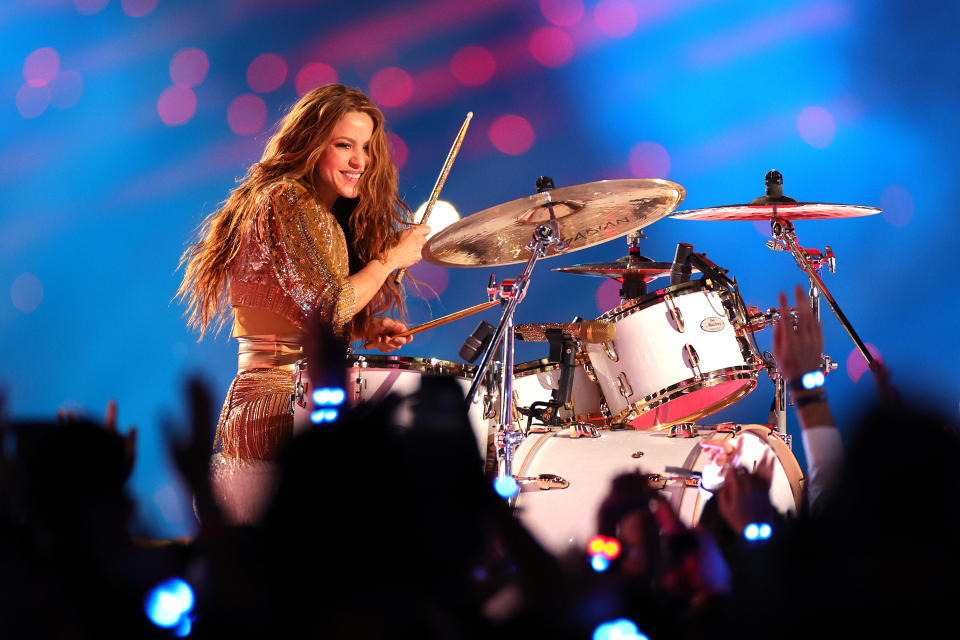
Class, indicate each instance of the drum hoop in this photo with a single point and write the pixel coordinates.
(411, 363)
(636, 305)
(674, 391)
(792, 470)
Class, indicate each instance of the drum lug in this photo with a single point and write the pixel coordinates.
(546, 481)
(360, 384)
(694, 361)
(611, 350)
(728, 427)
(624, 386)
(588, 369)
(684, 430)
(675, 313)
(605, 410)
(583, 430)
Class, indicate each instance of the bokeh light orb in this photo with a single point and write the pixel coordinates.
(176, 105)
(857, 364)
(511, 134)
(817, 127)
(442, 216)
(26, 293)
(562, 13)
(138, 8)
(608, 295)
(473, 66)
(266, 73)
(897, 205)
(649, 160)
(66, 89)
(32, 101)
(432, 280)
(90, 7)
(615, 18)
(41, 67)
(247, 114)
(313, 75)
(551, 47)
(391, 87)
(398, 150)
(189, 67)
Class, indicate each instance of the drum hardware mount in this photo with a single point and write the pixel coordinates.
(684, 430)
(546, 481)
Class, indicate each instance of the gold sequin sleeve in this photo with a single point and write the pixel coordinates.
(309, 254)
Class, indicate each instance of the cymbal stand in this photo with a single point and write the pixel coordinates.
(508, 438)
(811, 262)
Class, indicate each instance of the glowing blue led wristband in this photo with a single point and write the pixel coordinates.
(808, 381)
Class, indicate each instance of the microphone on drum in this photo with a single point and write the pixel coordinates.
(680, 269)
(589, 331)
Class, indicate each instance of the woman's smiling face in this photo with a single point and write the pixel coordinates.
(345, 158)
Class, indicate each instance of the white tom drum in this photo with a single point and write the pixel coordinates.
(679, 354)
(565, 518)
(535, 381)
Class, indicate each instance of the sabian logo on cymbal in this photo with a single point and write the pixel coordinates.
(600, 228)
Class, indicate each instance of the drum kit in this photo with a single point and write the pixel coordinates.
(621, 392)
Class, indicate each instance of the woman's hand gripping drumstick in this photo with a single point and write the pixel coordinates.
(441, 179)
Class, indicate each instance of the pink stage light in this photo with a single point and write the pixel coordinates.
(189, 67)
(551, 47)
(26, 293)
(313, 75)
(66, 89)
(41, 67)
(649, 160)
(90, 7)
(562, 13)
(176, 105)
(608, 295)
(398, 149)
(435, 277)
(32, 101)
(512, 135)
(857, 364)
(817, 127)
(267, 73)
(138, 8)
(897, 205)
(391, 87)
(615, 18)
(473, 66)
(247, 114)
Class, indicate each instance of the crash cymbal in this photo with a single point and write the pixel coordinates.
(587, 214)
(783, 210)
(620, 269)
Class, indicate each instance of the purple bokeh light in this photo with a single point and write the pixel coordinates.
(473, 66)
(90, 7)
(817, 127)
(897, 205)
(313, 75)
(176, 105)
(551, 47)
(32, 101)
(562, 13)
(26, 293)
(391, 87)
(138, 8)
(857, 364)
(608, 295)
(511, 134)
(433, 276)
(247, 114)
(189, 67)
(398, 149)
(267, 73)
(41, 67)
(649, 160)
(615, 18)
(66, 89)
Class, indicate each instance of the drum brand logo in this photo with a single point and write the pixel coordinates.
(712, 323)
(600, 228)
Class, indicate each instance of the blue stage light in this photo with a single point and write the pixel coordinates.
(168, 604)
(506, 486)
(757, 531)
(184, 628)
(319, 416)
(765, 531)
(329, 396)
(812, 379)
(599, 563)
(621, 629)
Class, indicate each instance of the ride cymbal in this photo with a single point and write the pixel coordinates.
(586, 214)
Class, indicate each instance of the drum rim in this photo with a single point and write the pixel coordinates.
(411, 363)
(658, 398)
(542, 365)
(636, 305)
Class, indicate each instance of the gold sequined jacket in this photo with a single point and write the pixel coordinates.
(293, 260)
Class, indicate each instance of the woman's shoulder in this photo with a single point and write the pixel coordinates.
(285, 190)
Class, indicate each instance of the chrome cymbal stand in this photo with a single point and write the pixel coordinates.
(508, 438)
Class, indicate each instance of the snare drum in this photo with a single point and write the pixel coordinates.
(679, 354)
(535, 381)
(559, 518)
(370, 378)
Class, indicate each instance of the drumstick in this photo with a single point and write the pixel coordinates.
(463, 313)
(441, 179)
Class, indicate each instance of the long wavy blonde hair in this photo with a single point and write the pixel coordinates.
(293, 153)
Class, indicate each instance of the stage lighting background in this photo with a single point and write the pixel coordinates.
(111, 155)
